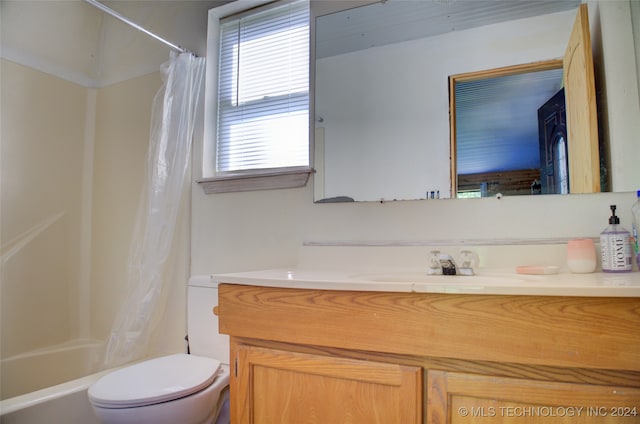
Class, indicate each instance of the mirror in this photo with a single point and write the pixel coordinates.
(382, 87)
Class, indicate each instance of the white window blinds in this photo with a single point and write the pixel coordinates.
(263, 93)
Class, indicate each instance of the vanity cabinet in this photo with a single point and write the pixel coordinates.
(276, 386)
(458, 398)
(333, 356)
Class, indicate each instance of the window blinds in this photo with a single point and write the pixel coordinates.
(263, 93)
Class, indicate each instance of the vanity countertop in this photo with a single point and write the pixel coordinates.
(496, 282)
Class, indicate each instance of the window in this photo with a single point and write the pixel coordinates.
(263, 92)
(560, 168)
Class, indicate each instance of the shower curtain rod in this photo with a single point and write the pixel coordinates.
(118, 16)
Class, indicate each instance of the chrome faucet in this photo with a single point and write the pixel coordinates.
(443, 264)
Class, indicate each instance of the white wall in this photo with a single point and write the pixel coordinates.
(245, 231)
(635, 19)
(612, 36)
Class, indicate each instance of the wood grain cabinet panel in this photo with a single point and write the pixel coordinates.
(457, 398)
(275, 386)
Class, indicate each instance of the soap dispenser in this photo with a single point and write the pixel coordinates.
(615, 244)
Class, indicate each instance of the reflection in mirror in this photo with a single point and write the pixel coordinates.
(498, 131)
(382, 96)
(567, 121)
(560, 167)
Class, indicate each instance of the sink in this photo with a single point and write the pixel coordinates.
(393, 278)
(482, 277)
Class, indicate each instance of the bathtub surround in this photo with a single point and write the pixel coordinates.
(61, 235)
(41, 181)
(43, 149)
(64, 403)
(47, 367)
(83, 301)
(77, 89)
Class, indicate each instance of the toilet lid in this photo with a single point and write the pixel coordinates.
(154, 381)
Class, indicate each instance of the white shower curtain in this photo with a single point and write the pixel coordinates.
(174, 112)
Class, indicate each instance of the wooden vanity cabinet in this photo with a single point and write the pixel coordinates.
(276, 386)
(468, 398)
(322, 356)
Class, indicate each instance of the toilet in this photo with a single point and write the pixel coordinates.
(180, 388)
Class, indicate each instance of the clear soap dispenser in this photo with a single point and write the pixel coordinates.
(615, 243)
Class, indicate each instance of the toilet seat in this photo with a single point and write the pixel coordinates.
(154, 381)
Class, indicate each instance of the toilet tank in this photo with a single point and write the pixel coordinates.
(202, 324)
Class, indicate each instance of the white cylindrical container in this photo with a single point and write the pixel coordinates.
(581, 256)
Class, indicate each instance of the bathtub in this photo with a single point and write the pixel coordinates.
(31, 371)
(50, 385)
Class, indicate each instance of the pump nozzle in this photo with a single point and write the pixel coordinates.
(614, 219)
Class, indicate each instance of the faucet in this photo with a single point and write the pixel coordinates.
(443, 264)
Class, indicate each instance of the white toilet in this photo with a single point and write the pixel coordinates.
(180, 388)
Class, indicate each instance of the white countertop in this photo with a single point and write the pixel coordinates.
(486, 282)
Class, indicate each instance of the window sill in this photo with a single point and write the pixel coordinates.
(257, 180)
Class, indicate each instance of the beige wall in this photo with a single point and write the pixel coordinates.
(122, 133)
(42, 167)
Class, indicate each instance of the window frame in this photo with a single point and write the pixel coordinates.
(252, 179)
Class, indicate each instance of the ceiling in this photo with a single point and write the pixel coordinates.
(394, 21)
(77, 42)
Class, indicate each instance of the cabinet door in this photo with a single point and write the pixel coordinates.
(274, 386)
(466, 398)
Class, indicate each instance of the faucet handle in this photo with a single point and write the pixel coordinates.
(435, 268)
(466, 262)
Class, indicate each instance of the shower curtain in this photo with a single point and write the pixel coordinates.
(167, 176)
